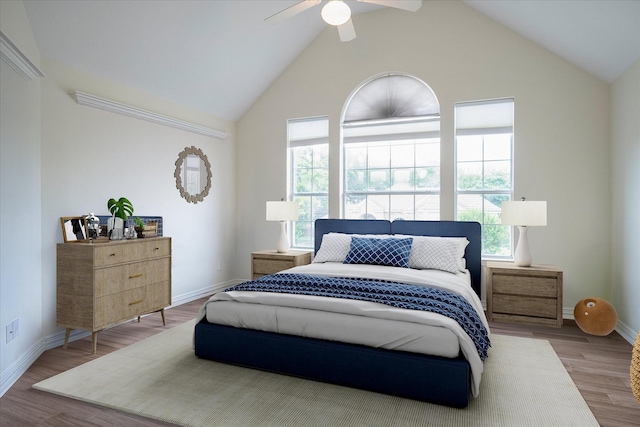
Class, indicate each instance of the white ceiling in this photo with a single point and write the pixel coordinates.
(218, 56)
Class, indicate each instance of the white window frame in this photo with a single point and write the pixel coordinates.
(316, 136)
(483, 125)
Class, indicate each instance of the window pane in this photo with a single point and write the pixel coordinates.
(355, 207)
(497, 175)
(357, 180)
(378, 207)
(428, 154)
(355, 157)
(469, 148)
(402, 207)
(379, 179)
(402, 155)
(379, 157)
(402, 179)
(497, 147)
(427, 208)
(427, 179)
(470, 176)
(321, 181)
(493, 207)
(321, 156)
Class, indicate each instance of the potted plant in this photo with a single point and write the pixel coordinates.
(139, 227)
(120, 210)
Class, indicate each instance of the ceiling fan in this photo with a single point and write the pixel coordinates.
(338, 13)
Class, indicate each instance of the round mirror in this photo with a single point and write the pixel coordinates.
(193, 174)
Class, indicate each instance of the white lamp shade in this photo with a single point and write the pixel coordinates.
(336, 12)
(282, 211)
(524, 213)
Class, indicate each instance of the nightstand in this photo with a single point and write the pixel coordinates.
(270, 262)
(524, 294)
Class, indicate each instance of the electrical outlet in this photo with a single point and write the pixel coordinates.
(10, 336)
(13, 330)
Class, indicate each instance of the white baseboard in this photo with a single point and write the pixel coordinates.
(13, 373)
(9, 376)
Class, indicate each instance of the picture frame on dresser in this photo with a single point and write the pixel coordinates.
(74, 229)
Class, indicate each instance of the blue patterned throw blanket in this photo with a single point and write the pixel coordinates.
(400, 295)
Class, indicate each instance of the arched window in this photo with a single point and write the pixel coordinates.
(391, 150)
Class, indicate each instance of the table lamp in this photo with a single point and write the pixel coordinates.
(282, 211)
(524, 214)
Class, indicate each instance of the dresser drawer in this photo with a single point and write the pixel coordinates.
(115, 253)
(525, 306)
(112, 280)
(126, 305)
(525, 285)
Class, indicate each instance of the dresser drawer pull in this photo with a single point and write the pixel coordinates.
(136, 302)
(135, 275)
(112, 255)
(156, 249)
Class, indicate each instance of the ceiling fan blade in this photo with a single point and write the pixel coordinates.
(292, 11)
(346, 31)
(410, 5)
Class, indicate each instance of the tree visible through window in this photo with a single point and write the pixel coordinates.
(308, 175)
(484, 169)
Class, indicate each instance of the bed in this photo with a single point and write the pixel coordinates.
(380, 346)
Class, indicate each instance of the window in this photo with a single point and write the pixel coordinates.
(308, 175)
(484, 169)
(391, 151)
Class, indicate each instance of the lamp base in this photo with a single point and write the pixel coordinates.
(283, 239)
(523, 254)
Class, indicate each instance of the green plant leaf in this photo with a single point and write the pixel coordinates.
(122, 208)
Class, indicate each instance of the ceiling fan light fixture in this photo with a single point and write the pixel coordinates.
(336, 12)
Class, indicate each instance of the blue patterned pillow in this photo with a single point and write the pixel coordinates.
(393, 252)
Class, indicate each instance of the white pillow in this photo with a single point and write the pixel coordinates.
(438, 253)
(335, 246)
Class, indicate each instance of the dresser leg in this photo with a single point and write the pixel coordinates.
(164, 321)
(94, 341)
(67, 331)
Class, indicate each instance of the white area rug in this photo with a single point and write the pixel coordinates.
(524, 384)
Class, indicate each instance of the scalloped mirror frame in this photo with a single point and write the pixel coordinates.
(177, 174)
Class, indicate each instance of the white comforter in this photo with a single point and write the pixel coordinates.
(359, 322)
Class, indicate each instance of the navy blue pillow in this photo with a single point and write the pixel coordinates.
(365, 250)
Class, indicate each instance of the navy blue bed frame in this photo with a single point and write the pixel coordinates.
(427, 378)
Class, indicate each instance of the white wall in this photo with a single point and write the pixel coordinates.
(625, 168)
(90, 155)
(20, 160)
(61, 159)
(562, 129)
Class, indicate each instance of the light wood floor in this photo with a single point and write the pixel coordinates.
(598, 365)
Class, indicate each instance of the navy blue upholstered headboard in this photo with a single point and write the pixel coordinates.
(471, 230)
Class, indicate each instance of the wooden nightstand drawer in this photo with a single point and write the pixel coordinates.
(271, 262)
(269, 266)
(518, 285)
(524, 294)
(524, 306)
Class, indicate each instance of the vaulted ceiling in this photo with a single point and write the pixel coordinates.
(218, 56)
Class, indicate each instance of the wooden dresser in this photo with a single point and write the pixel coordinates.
(524, 294)
(102, 284)
(270, 262)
